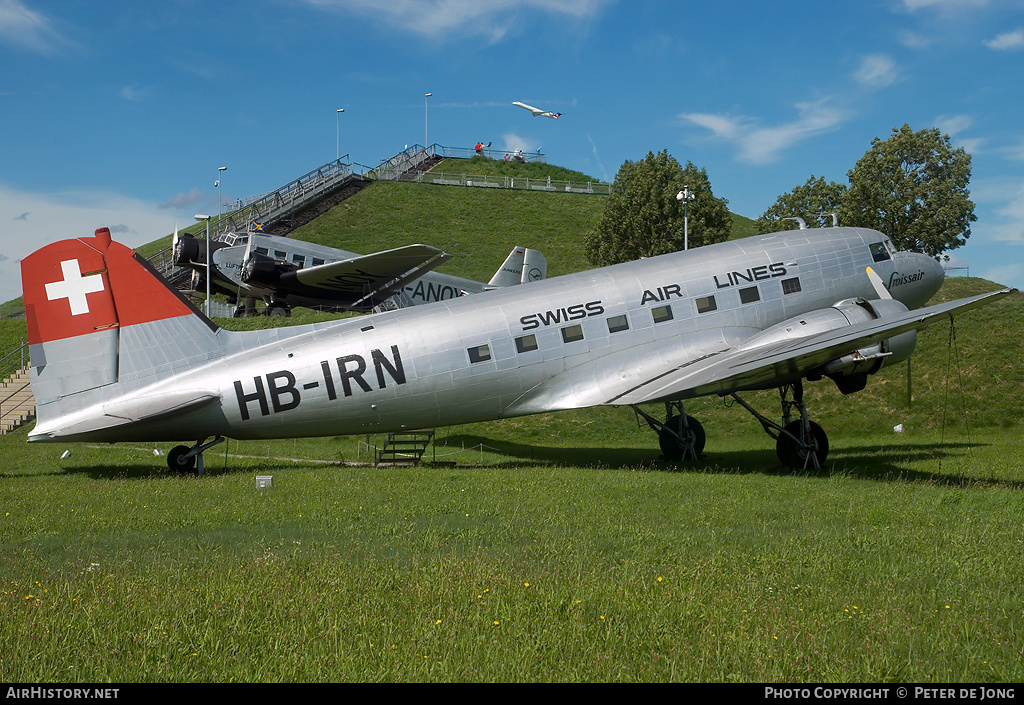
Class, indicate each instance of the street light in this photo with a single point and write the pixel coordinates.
(338, 156)
(220, 201)
(686, 195)
(207, 219)
(426, 142)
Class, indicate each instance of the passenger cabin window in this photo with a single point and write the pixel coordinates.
(481, 353)
(617, 324)
(879, 252)
(526, 343)
(791, 286)
(299, 261)
(570, 334)
(706, 304)
(281, 254)
(749, 295)
(661, 314)
(317, 261)
(262, 251)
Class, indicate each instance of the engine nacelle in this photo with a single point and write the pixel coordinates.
(260, 269)
(850, 371)
(185, 250)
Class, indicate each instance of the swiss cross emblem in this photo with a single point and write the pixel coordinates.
(74, 287)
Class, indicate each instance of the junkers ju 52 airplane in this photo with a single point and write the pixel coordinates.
(117, 355)
(286, 273)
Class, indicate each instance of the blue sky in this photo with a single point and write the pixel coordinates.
(120, 113)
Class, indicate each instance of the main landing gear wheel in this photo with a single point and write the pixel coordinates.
(681, 437)
(802, 450)
(178, 460)
(800, 444)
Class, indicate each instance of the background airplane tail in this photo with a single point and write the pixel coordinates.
(521, 266)
(101, 321)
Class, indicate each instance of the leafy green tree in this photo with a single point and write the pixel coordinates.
(814, 202)
(643, 217)
(913, 188)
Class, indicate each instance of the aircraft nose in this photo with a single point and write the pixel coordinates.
(916, 279)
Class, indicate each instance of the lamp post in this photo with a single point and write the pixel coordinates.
(426, 142)
(220, 201)
(686, 195)
(338, 155)
(200, 217)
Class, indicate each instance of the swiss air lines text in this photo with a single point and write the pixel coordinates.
(280, 391)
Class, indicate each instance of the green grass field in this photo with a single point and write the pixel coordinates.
(900, 562)
(546, 548)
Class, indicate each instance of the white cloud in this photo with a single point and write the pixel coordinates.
(438, 17)
(876, 71)
(944, 5)
(184, 200)
(953, 124)
(24, 28)
(514, 141)
(58, 216)
(761, 145)
(1015, 152)
(1007, 41)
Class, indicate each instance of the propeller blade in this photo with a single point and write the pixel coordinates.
(876, 281)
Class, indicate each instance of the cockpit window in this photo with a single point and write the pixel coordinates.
(880, 251)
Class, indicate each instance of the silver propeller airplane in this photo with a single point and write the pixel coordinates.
(537, 112)
(117, 355)
(285, 273)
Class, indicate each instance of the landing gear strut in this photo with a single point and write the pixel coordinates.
(182, 459)
(681, 437)
(801, 443)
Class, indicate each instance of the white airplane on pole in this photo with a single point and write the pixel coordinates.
(118, 355)
(537, 112)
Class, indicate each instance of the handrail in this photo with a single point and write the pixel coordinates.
(6, 366)
(516, 182)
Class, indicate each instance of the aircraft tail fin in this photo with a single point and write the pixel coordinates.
(100, 322)
(521, 266)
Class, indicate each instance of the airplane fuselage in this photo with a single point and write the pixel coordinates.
(518, 351)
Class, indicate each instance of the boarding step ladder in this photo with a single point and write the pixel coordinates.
(17, 405)
(405, 448)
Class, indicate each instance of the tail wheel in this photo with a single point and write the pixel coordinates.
(800, 451)
(680, 441)
(179, 461)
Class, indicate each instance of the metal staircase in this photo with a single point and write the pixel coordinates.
(300, 201)
(17, 405)
(404, 448)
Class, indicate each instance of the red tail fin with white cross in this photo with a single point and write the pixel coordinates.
(78, 287)
(99, 315)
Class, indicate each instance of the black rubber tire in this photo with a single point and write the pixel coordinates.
(672, 447)
(792, 455)
(178, 463)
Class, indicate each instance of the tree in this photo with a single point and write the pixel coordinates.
(913, 188)
(814, 202)
(643, 218)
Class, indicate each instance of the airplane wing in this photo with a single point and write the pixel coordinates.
(720, 363)
(374, 276)
(755, 368)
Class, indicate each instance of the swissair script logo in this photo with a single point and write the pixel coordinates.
(74, 287)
